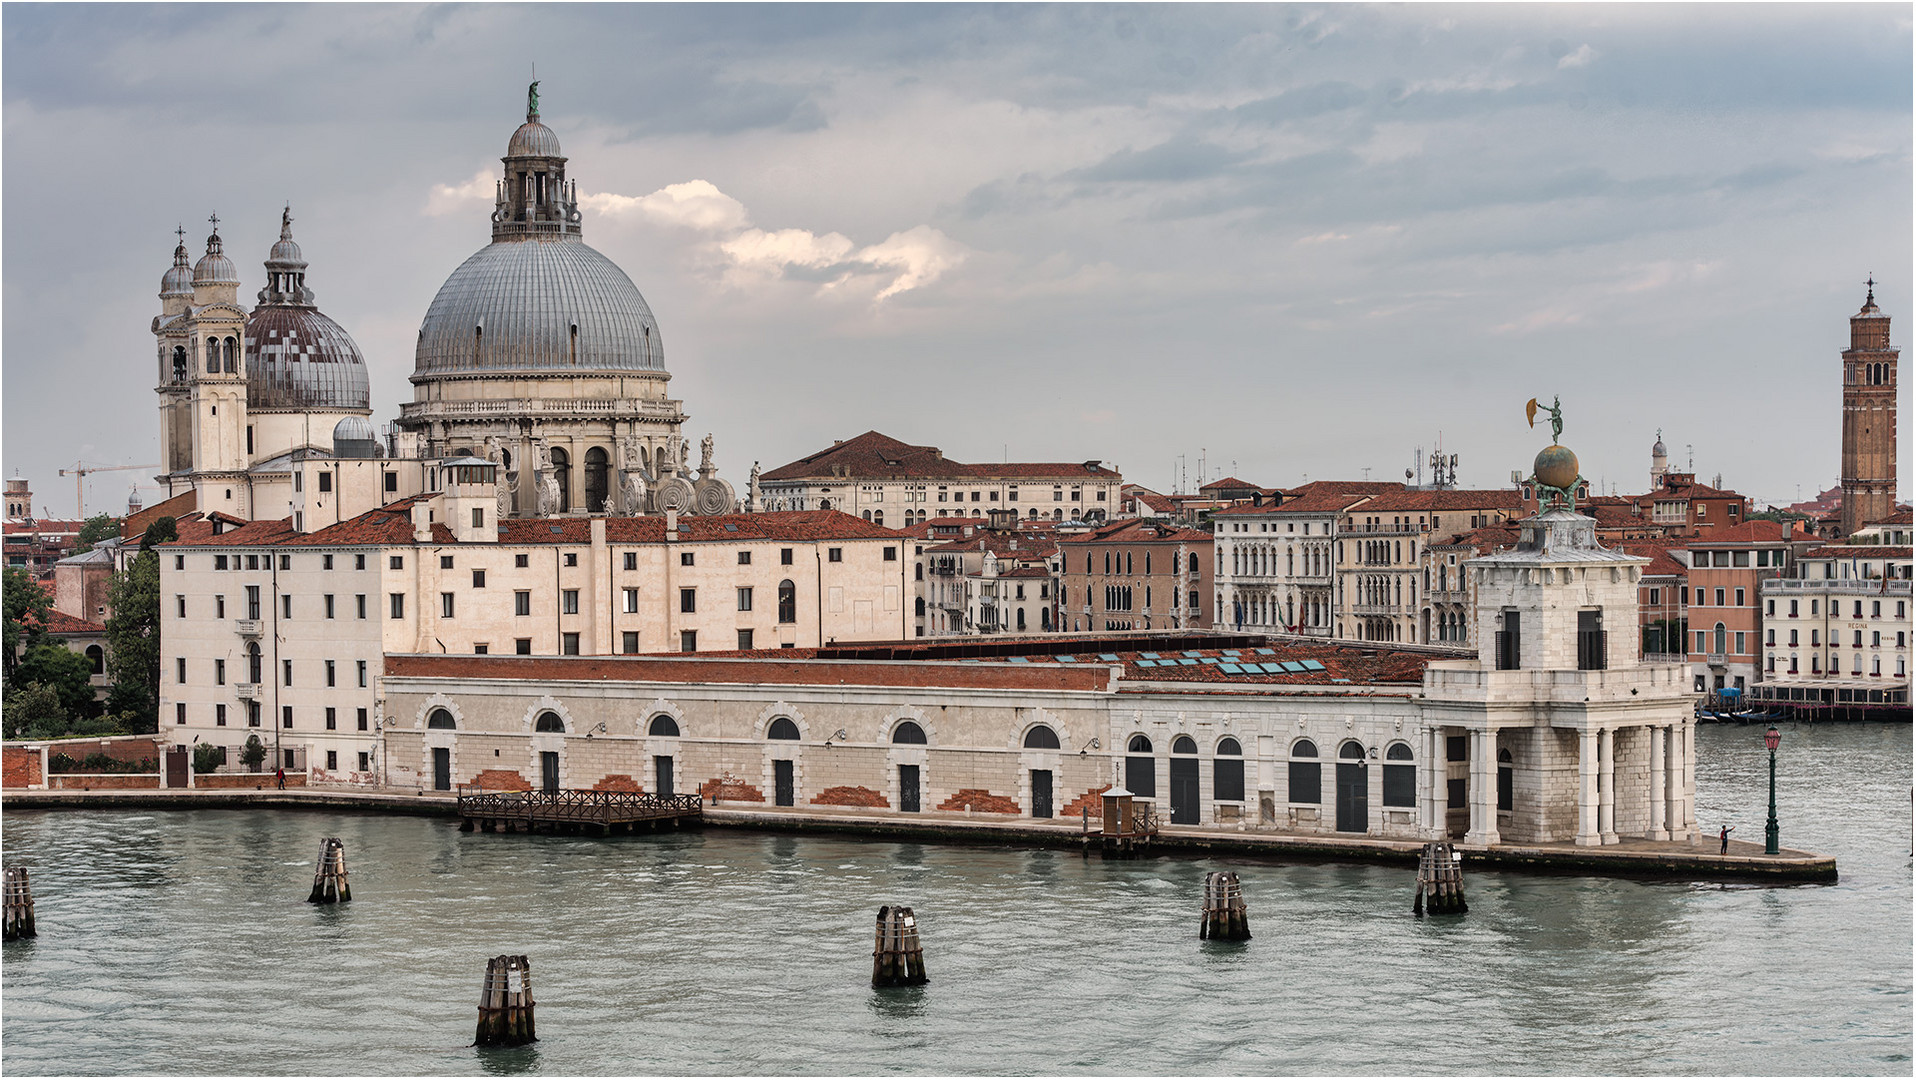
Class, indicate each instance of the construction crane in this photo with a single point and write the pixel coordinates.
(79, 472)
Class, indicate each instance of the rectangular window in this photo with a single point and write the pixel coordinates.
(522, 646)
(331, 670)
(521, 561)
(179, 668)
(522, 602)
(631, 601)
(445, 562)
(744, 639)
(219, 716)
(745, 599)
(569, 602)
(392, 481)
(834, 554)
(332, 721)
(1305, 782)
(252, 714)
(332, 756)
(219, 562)
(685, 558)
(365, 762)
(286, 606)
(285, 716)
(359, 562)
(745, 558)
(398, 601)
(569, 644)
(325, 562)
(1510, 642)
(325, 480)
(252, 562)
(629, 642)
(359, 603)
(445, 605)
(362, 672)
(688, 641)
(1590, 641)
(179, 712)
(478, 517)
(329, 605)
(179, 562)
(219, 672)
(1875, 609)
(1719, 598)
(481, 649)
(688, 600)
(572, 558)
(395, 562)
(891, 554)
(631, 560)
(252, 601)
(478, 579)
(219, 607)
(179, 606)
(785, 556)
(286, 669)
(1739, 642)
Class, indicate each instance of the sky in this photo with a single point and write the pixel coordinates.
(1292, 242)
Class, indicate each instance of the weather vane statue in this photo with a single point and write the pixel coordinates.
(532, 99)
(1555, 472)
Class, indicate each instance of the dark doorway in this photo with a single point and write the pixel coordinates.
(1041, 793)
(176, 767)
(663, 766)
(549, 771)
(1184, 791)
(908, 788)
(441, 769)
(1353, 790)
(1141, 770)
(783, 791)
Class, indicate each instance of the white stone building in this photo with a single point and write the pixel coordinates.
(1837, 635)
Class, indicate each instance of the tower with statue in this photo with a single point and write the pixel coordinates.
(1568, 736)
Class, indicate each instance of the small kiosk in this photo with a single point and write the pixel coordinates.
(1123, 828)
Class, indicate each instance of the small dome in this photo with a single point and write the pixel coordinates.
(285, 254)
(533, 139)
(214, 268)
(353, 437)
(179, 277)
(297, 358)
(1659, 450)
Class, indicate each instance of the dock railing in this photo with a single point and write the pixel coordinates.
(574, 805)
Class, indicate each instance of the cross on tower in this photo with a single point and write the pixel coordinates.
(180, 231)
(215, 219)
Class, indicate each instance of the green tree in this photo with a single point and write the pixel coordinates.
(207, 757)
(52, 665)
(252, 753)
(97, 528)
(33, 711)
(133, 632)
(27, 607)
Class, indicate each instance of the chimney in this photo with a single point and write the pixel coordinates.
(422, 521)
(671, 524)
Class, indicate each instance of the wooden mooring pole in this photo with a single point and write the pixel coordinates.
(329, 874)
(1440, 877)
(505, 1005)
(1225, 918)
(897, 959)
(18, 918)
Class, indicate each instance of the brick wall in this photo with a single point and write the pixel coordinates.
(1090, 801)
(101, 781)
(731, 789)
(980, 801)
(502, 780)
(850, 796)
(20, 766)
(617, 782)
(248, 780)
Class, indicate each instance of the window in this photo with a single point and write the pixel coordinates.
(572, 558)
(834, 554)
(569, 644)
(286, 606)
(332, 724)
(569, 602)
(685, 558)
(744, 639)
(286, 670)
(362, 672)
(219, 562)
(325, 478)
(478, 579)
(331, 672)
(219, 672)
(784, 556)
(219, 716)
(663, 725)
(179, 562)
(1510, 642)
(631, 601)
(522, 602)
(522, 561)
(629, 642)
(688, 602)
(1305, 773)
(1227, 772)
(398, 603)
(359, 562)
(745, 598)
(285, 716)
(1040, 737)
(1590, 641)
(329, 605)
(1699, 598)
(359, 601)
(745, 558)
(179, 668)
(688, 641)
(445, 605)
(1719, 598)
(1400, 776)
(631, 560)
(787, 602)
(392, 481)
(522, 646)
(395, 562)
(179, 712)
(891, 554)
(252, 601)
(219, 607)
(1739, 598)
(782, 728)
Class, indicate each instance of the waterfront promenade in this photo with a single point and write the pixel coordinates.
(1686, 860)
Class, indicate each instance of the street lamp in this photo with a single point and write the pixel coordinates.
(1771, 738)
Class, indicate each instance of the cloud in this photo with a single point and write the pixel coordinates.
(458, 198)
(903, 261)
(1580, 58)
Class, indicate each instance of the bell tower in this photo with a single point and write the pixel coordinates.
(1869, 418)
(202, 332)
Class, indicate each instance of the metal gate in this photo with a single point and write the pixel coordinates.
(1041, 793)
(1353, 798)
(664, 768)
(549, 770)
(908, 788)
(176, 767)
(783, 790)
(1184, 791)
(441, 769)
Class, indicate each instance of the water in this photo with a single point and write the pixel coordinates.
(181, 943)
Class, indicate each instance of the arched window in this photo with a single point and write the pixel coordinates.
(1506, 781)
(663, 725)
(226, 356)
(867, 515)
(1400, 777)
(1306, 775)
(1184, 744)
(252, 662)
(921, 607)
(179, 363)
(1227, 772)
(787, 601)
(1041, 737)
(97, 657)
(548, 721)
(562, 475)
(596, 464)
(1350, 750)
(1140, 745)
(782, 728)
(1718, 637)
(212, 357)
(909, 733)
(1140, 769)
(440, 719)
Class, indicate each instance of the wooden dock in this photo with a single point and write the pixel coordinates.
(603, 812)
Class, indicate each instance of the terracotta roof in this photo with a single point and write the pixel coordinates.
(999, 544)
(1662, 563)
(789, 667)
(1139, 531)
(878, 456)
(1751, 532)
(1026, 572)
(251, 534)
(59, 622)
(391, 525)
(1320, 501)
(44, 525)
(1448, 499)
(1900, 517)
(1857, 551)
(1484, 540)
(1150, 498)
(1232, 482)
(1359, 487)
(178, 506)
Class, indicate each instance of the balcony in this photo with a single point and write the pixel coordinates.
(1716, 659)
(248, 691)
(1376, 609)
(247, 627)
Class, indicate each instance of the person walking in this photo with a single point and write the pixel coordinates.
(281, 777)
(1723, 839)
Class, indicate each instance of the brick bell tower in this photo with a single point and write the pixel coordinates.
(1869, 418)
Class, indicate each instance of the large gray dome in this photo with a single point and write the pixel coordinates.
(545, 303)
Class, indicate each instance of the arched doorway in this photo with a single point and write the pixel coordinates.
(550, 723)
(562, 476)
(1353, 789)
(663, 727)
(1141, 769)
(439, 720)
(784, 779)
(596, 467)
(1184, 781)
(908, 733)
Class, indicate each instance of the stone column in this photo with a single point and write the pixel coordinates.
(1607, 785)
(1686, 795)
(1430, 816)
(1659, 786)
(1587, 789)
(1483, 789)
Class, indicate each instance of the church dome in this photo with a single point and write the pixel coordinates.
(353, 437)
(214, 268)
(297, 357)
(533, 139)
(179, 277)
(546, 302)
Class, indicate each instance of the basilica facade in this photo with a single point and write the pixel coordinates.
(538, 354)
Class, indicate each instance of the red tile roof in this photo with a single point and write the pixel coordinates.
(59, 622)
(391, 525)
(1751, 532)
(999, 544)
(1139, 531)
(1357, 487)
(788, 667)
(878, 456)
(176, 507)
(1857, 551)
(1448, 499)
(1158, 503)
(1320, 501)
